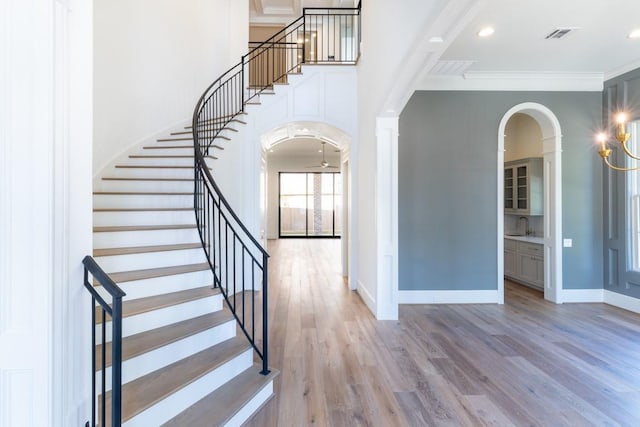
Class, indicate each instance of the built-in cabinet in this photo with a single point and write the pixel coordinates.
(523, 187)
(524, 262)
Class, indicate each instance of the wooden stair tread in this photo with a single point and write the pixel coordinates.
(145, 179)
(161, 156)
(174, 139)
(167, 147)
(147, 341)
(117, 228)
(154, 167)
(142, 209)
(145, 391)
(144, 249)
(144, 305)
(150, 273)
(142, 193)
(219, 407)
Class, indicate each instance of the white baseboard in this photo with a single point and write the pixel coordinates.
(582, 295)
(622, 301)
(368, 299)
(448, 297)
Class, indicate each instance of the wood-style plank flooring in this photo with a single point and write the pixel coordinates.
(526, 363)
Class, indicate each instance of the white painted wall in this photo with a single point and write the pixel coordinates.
(385, 77)
(522, 138)
(153, 59)
(45, 211)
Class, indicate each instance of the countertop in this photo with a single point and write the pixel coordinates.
(530, 239)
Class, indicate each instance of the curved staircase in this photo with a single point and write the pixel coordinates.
(183, 362)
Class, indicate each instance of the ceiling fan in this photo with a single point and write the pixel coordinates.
(323, 164)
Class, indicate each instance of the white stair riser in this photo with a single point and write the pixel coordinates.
(155, 186)
(252, 406)
(147, 260)
(172, 405)
(113, 201)
(123, 239)
(187, 151)
(172, 140)
(159, 161)
(170, 353)
(118, 218)
(165, 316)
(151, 173)
(165, 284)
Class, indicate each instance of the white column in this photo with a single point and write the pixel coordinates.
(552, 164)
(386, 216)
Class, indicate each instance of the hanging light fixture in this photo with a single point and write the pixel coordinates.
(622, 137)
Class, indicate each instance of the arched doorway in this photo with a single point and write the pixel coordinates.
(552, 199)
(334, 139)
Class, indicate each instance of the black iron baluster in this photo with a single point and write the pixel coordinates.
(116, 361)
(265, 316)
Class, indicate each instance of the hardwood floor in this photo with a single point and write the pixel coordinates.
(526, 363)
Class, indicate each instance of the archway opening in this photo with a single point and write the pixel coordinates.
(515, 198)
(307, 182)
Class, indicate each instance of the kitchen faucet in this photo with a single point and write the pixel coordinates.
(527, 231)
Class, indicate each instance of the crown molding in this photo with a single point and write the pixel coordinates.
(516, 81)
(622, 70)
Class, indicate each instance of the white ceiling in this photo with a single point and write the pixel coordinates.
(518, 45)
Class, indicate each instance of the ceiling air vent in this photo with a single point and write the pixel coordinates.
(561, 33)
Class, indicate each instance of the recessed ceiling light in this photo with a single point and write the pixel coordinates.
(635, 34)
(486, 32)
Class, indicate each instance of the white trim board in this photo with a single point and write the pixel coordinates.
(569, 296)
(548, 82)
(366, 297)
(582, 295)
(622, 301)
(448, 297)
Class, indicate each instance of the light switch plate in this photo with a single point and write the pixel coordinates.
(567, 243)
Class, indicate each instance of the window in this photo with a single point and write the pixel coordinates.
(310, 204)
(633, 197)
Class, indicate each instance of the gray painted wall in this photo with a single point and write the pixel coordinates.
(621, 93)
(447, 187)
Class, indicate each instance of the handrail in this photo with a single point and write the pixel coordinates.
(237, 260)
(114, 310)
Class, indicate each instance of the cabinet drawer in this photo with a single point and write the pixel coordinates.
(510, 245)
(530, 248)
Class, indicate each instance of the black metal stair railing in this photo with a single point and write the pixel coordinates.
(237, 260)
(110, 408)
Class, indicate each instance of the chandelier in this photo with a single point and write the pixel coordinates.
(623, 138)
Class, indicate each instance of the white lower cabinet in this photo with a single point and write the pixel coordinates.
(524, 263)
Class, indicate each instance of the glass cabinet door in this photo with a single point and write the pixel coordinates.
(508, 188)
(521, 176)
